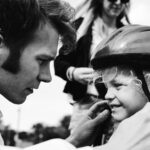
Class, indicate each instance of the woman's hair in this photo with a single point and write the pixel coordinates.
(97, 6)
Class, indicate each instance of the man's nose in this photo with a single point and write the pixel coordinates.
(45, 75)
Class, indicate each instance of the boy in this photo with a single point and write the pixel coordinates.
(122, 64)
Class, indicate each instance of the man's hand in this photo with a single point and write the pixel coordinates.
(85, 131)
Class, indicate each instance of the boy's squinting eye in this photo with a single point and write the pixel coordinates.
(118, 85)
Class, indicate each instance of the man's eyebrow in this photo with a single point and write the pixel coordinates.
(47, 57)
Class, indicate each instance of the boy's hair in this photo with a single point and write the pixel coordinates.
(19, 19)
(130, 75)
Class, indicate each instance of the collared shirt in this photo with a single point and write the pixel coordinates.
(1, 139)
(99, 32)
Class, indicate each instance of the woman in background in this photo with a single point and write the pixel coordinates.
(95, 20)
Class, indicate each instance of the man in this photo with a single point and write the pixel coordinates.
(29, 34)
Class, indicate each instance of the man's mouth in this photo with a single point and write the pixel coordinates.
(29, 90)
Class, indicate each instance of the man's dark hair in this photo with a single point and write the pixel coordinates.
(19, 19)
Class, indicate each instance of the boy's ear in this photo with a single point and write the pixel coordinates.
(1, 41)
(4, 51)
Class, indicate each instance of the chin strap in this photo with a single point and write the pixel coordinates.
(140, 75)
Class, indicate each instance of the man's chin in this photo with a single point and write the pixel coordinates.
(17, 100)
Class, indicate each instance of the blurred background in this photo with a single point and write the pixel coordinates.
(46, 113)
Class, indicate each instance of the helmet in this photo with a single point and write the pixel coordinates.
(129, 45)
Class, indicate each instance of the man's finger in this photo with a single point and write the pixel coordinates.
(97, 108)
(101, 117)
(99, 112)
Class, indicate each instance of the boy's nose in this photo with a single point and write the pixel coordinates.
(118, 1)
(110, 95)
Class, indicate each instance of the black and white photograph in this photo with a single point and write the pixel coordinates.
(74, 75)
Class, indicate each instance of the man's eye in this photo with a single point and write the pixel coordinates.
(41, 61)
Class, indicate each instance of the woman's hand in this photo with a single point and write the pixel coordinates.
(83, 75)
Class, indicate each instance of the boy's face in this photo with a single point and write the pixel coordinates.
(34, 66)
(125, 96)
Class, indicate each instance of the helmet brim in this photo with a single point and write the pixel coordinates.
(127, 59)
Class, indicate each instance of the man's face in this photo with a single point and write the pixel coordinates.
(34, 66)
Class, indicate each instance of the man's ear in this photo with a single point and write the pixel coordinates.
(4, 51)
